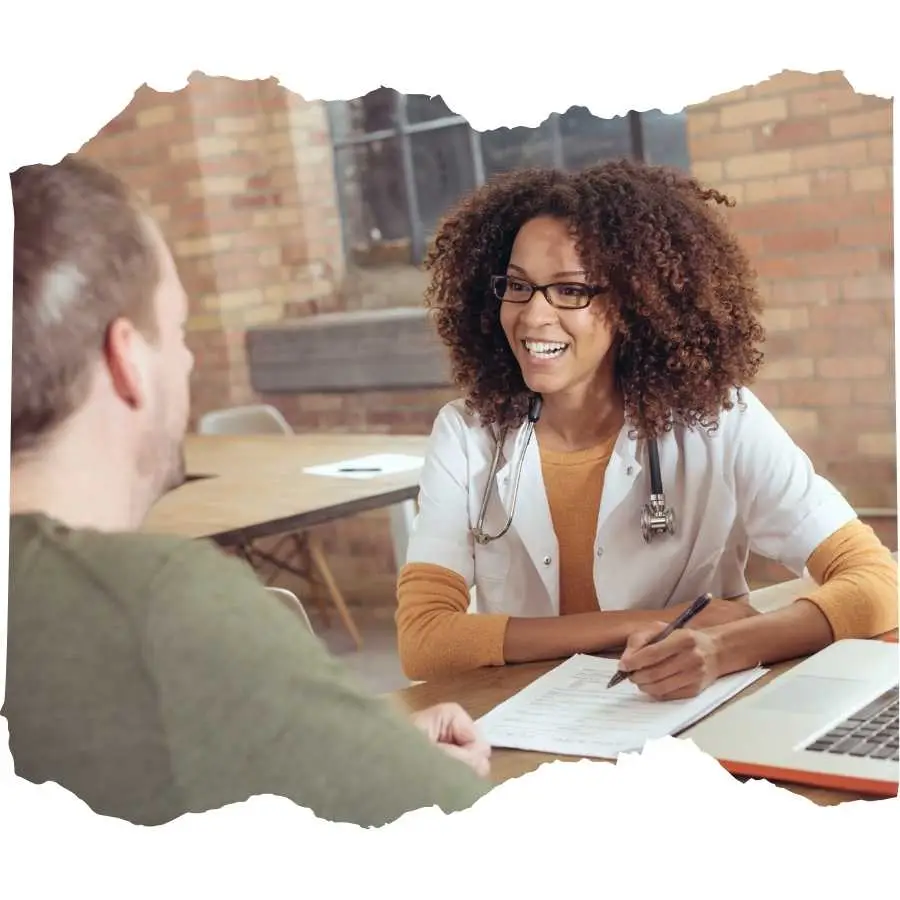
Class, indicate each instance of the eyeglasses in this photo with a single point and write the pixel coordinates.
(563, 295)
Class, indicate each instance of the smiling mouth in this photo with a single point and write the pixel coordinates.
(545, 349)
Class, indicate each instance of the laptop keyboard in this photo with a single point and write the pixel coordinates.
(870, 732)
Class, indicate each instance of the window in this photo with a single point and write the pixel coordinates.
(402, 160)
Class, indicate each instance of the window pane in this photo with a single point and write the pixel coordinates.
(422, 108)
(444, 171)
(516, 148)
(373, 196)
(665, 139)
(374, 112)
(588, 140)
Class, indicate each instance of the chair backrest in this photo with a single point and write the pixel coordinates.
(292, 601)
(257, 419)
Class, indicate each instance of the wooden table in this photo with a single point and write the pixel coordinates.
(480, 691)
(250, 487)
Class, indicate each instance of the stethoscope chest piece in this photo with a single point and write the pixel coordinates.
(657, 518)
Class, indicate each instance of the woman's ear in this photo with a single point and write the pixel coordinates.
(125, 352)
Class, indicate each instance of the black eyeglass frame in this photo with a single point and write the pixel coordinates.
(498, 287)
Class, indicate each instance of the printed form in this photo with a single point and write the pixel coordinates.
(570, 711)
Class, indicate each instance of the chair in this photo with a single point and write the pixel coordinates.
(292, 602)
(309, 562)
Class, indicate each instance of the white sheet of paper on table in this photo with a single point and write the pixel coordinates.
(570, 711)
(375, 466)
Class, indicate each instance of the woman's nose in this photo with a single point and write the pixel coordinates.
(538, 310)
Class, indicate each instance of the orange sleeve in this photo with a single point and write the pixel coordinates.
(858, 582)
(436, 635)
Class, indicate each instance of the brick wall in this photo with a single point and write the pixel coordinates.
(240, 175)
(809, 163)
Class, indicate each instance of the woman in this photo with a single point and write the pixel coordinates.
(618, 297)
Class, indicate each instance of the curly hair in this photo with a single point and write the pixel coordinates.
(682, 296)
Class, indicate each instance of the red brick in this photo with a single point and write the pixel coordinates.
(800, 241)
(881, 150)
(869, 287)
(829, 183)
(832, 155)
(874, 392)
(873, 121)
(760, 217)
(720, 144)
(836, 209)
(851, 367)
(864, 234)
(847, 316)
(790, 133)
(778, 268)
(749, 112)
(806, 342)
(708, 172)
(883, 203)
(701, 120)
(841, 262)
(823, 101)
(758, 165)
(808, 392)
(871, 178)
(878, 490)
(812, 292)
(782, 187)
(769, 392)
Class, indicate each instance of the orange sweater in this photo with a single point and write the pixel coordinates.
(437, 636)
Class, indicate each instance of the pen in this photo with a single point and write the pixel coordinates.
(697, 606)
(359, 469)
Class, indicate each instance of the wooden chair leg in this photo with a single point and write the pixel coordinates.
(322, 569)
(300, 541)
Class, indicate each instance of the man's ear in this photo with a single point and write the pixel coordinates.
(126, 358)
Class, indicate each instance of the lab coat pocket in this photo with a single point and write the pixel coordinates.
(492, 562)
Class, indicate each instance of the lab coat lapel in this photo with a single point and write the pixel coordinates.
(621, 473)
(531, 518)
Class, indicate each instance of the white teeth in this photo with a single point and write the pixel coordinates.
(544, 348)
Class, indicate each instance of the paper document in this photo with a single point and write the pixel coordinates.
(363, 467)
(570, 711)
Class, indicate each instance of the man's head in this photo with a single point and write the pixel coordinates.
(98, 327)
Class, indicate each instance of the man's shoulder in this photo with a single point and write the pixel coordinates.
(120, 561)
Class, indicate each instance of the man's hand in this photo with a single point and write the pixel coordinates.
(450, 727)
(681, 666)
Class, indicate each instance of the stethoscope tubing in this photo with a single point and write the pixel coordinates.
(534, 414)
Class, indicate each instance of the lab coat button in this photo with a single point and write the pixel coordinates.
(599, 552)
(629, 470)
(547, 560)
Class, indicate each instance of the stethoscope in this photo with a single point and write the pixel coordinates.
(656, 517)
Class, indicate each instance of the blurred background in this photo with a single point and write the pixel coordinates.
(279, 210)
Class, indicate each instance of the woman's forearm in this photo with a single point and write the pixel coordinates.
(555, 637)
(797, 630)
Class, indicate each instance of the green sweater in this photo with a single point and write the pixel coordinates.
(153, 676)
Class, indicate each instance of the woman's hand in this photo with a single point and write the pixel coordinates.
(681, 666)
(451, 728)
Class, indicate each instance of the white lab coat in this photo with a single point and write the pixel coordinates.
(746, 486)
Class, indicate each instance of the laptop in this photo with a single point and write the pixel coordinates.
(831, 721)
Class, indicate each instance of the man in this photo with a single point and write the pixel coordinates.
(153, 676)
